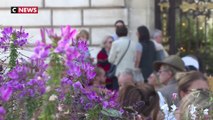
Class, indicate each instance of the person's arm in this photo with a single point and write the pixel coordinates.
(138, 55)
(112, 54)
(138, 59)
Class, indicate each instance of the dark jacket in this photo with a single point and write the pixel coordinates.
(148, 58)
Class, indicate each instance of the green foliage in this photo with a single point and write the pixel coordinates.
(32, 106)
(55, 69)
(94, 113)
(49, 109)
(13, 53)
(192, 39)
(12, 113)
(111, 113)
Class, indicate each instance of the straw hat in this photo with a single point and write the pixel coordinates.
(172, 60)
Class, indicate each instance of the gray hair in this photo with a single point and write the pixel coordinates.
(170, 68)
(135, 74)
(127, 71)
(156, 33)
(105, 39)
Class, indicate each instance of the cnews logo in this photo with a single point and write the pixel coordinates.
(24, 10)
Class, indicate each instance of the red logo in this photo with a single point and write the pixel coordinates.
(24, 10)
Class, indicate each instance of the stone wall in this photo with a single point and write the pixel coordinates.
(96, 16)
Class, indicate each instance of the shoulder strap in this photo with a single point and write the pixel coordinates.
(124, 53)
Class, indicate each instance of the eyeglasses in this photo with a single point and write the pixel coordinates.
(194, 90)
(160, 71)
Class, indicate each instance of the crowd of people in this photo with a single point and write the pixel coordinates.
(157, 85)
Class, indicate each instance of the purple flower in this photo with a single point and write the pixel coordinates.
(81, 100)
(174, 96)
(121, 111)
(7, 31)
(42, 31)
(63, 45)
(51, 33)
(90, 74)
(5, 93)
(72, 53)
(74, 69)
(1, 78)
(41, 51)
(88, 106)
(113, 103)
(92, 96)
(65, 81)
(67, 33)
(21, 34)
(77, 85)
(7, 38)
(105, 104)
(82, 45)
(13, 75)
(2, 113)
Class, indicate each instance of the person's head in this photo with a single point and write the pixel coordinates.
(153, 79)
(157, 35)
(107, 42)
(168, 68)
(122, 31)
(119, 23)
(191, 63)
(83, 35)
(166, 73)
(99, 78)
(143, 33)
(188, 81)
(125, 78)
(197, 105)
(144, 99)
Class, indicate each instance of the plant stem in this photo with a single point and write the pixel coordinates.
(13, 52)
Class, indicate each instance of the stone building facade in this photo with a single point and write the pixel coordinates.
(96, 16)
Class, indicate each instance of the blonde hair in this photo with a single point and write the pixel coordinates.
(199, 100)
(185, 79)
(81, 33)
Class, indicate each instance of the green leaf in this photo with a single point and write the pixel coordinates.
(111, 113)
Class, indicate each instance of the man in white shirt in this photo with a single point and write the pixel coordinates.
(123, 51)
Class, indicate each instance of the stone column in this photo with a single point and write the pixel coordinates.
(140, 12)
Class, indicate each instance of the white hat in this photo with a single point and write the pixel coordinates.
(190, 61)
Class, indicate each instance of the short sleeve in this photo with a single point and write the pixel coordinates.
(139, 47)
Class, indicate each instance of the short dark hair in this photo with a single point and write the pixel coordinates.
(119, 21)
(121, 31)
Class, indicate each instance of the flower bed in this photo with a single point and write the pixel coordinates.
(53, 82)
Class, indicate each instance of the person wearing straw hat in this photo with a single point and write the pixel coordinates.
(167, 70)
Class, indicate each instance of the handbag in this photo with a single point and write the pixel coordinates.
(111, 72)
